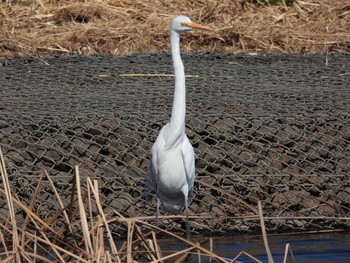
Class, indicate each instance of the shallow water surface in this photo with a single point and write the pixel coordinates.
(306, 248)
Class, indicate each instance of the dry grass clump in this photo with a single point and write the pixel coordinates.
(132, 27)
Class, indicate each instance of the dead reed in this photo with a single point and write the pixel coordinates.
(41, 27)
(34, 240)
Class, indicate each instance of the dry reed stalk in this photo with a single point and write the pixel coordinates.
(83, 218)
(35, 249)
(108, 257)
(24, 255)
(151, 245)
(210, 246)
(289, 248)
(247, 254)
(131, 225)
(94, 189)
(286, 253)
(31, 206)
(263, 230)
(199, 254)
(151, 249)
(90, 211)
(15, 239)
(59, 200)
(158, 252)
(3, 243)
(143, 75)
(99, 240)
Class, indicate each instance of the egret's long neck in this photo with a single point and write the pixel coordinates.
(177, 120)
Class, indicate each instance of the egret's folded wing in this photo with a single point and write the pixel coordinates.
(188, 160)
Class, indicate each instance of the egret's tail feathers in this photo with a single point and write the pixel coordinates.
(148, 191)
(146, 197)
(148, 187)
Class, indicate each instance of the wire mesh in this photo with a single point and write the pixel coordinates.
(274, 128)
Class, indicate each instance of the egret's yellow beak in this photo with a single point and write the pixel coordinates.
(196, 26)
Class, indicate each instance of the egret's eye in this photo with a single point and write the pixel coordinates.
(185, 24)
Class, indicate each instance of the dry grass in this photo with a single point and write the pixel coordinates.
(33, 239)
(132, 27)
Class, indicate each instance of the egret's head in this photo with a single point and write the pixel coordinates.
(183, 24)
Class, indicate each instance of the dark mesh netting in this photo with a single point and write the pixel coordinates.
(269, 128)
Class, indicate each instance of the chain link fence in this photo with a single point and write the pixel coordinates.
(269, 128)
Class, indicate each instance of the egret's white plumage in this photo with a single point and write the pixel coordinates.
(171, 171)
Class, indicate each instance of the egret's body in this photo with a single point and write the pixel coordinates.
(171, 171)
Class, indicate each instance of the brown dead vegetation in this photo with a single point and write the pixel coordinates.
(32, 239)
(122, 27)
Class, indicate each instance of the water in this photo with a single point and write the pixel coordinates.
(310, 248)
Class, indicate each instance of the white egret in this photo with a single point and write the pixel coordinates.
(171, 171)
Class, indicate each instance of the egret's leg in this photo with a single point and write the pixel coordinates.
(187, 220)
(157, 214)
(185, 193)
